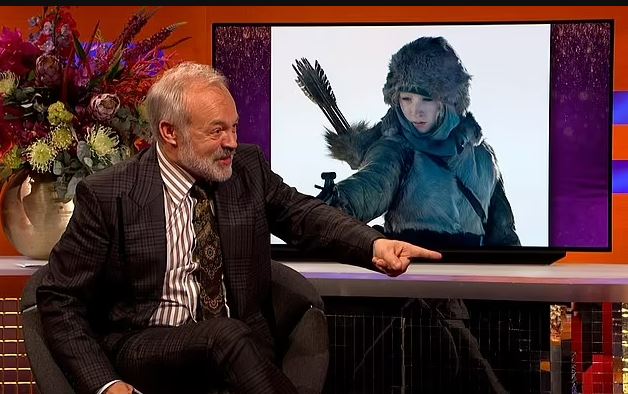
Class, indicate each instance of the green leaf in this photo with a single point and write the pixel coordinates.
(78, 47)
(83, 151)
(95, 82)
(88, 161)
(57, 168)
(115, 69)
(72, 186)
(123, 112)
(5, 172)
(115, 157)
(39, 107)
(75, 165)
(91, 39)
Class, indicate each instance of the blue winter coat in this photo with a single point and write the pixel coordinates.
(424, 199)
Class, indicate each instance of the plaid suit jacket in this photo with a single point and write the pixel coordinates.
(107, 271)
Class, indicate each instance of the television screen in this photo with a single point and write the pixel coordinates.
(517, 154)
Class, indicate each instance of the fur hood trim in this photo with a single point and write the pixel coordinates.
(428, 64)
(352, 146)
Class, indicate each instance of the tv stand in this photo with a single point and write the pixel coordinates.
(542, 257)
(457, 256)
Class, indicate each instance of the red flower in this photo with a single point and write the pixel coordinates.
(9, 128)
(99, 83)
(59, 24)
(16, 55)
(141, 144)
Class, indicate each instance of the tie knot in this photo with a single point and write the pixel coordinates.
(200, 190)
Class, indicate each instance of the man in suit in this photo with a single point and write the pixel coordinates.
(162, 276)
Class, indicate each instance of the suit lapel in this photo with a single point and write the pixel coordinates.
(148, 182)
(236, 219)
(145, 222)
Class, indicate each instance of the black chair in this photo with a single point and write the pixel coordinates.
(299, 318)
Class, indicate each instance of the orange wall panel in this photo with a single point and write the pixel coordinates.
(620, 142)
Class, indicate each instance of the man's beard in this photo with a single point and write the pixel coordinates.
(207, 168)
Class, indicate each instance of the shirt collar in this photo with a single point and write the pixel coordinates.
(177, 181)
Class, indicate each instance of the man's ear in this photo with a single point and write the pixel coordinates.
(168, 133)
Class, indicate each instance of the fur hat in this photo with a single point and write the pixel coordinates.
(428, 65)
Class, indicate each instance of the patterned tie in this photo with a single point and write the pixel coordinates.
(208, 254)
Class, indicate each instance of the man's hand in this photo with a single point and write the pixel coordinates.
(119, 388)
(393, 257)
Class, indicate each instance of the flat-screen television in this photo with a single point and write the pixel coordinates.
(540, 91)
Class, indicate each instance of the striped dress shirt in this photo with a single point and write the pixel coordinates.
(180, 292)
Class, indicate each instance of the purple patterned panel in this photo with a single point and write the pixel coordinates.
(242, 54)
(580, 135)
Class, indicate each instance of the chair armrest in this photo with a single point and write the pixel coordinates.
(48, 376)
(307, 358)
(292, 295)
(29, 294)
(301, 330)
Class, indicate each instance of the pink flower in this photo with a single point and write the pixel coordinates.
(16, 55)
(104, 106)
(48, 70)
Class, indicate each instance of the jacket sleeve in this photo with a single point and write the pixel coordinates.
(369, 192)
(65, 296)
(311, 225)
(500, 226)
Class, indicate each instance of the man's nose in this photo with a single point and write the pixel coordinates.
(230, 140)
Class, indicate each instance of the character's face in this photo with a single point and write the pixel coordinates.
(207, 145)
(421, 111)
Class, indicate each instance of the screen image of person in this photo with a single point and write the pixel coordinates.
(161, 281)
(426, 167)
(508, 100)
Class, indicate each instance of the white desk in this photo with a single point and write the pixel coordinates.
(552, 283)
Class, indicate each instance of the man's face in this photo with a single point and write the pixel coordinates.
(207, 145)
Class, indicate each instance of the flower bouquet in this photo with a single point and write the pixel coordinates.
(69, 107)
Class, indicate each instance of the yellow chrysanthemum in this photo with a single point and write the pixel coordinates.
(102, 140)
(13, 158)
(57, 114)
(40, 155)
(8, 83)
(61, 138)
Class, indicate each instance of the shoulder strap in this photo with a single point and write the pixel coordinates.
(477, 206)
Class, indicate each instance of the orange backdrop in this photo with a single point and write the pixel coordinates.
(200, 19)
